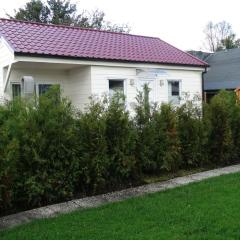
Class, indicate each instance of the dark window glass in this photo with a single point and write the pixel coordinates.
(43, 88)
(16, 90)
(115, 86)
(175, 88)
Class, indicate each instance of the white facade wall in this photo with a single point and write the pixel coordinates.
(190, 81)
(41, 76)
(79, 80)
(78, 86)
(6, 57)
(101, 75)
(75, 83)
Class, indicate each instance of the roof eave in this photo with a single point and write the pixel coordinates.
(106, 60)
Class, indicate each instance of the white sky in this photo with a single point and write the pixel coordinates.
(179, 22)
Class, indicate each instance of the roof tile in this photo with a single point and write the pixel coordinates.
(58, 40)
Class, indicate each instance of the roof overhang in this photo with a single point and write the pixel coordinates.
(20, 57)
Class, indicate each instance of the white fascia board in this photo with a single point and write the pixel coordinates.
(5, 42)
(104, 63)
(7, 77)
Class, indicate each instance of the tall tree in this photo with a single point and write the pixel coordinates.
(65, 12)
(220, 36)
(35, 10)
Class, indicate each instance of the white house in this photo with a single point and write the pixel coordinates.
(83, 62)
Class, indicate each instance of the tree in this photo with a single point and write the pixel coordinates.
(35, 11)
(220, 36)
(65, 12)
(61, 11)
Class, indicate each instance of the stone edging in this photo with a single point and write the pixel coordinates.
(91, 202)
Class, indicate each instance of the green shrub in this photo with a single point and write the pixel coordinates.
(8, 157)
(47, 151)
(167, 146)
(121, 142)
(92, 150)
(191, 134)
(50, 152)
(220, 142)
(145, 131)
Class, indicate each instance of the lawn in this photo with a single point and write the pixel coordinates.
(205, 210)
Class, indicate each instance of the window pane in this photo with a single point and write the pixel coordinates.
(115, 86)
(175, 88)
(43, 88)
(16, 90)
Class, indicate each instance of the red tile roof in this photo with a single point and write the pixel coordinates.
(64, 41)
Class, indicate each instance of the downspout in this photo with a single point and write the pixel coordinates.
(203, 94)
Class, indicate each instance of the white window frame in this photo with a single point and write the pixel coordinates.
(45, 83)
(180, 88)
(11, 90)
(118, 79)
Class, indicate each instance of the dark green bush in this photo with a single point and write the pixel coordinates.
(121, 142)
(145, 132)
(92, 149)
(45, 156)
(9, 146)
(191, 134)
(49, 152)
(220, 141)
(167, 145)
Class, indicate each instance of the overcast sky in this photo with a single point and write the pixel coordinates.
(179, 22)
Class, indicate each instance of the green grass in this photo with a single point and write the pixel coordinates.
(205, 210)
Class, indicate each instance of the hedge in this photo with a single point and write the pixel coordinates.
(50, 151)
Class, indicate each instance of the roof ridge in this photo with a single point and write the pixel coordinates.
(74, 27)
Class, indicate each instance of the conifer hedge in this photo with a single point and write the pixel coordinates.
(51, 152)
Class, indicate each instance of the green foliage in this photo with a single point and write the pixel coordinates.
(92, 150)
(169, 140)
(48, 160)
(220, 132)
(191, 134)
(121, 141)
(145, 131)
(50, 152)
(65, 12)
(220, 36)
(35, 11)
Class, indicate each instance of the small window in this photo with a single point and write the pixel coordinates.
(16, 90)
(43, 88)
(116, 86)
(174, 92)
(175, 88)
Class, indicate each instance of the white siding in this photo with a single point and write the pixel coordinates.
(6, 57)
(75, 83)
(78, 86)
(79, 82)
(46, 76)
(191, 81)
(101, 75)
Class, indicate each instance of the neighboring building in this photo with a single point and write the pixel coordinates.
(84, 62)
(200, 54)
(224, 72)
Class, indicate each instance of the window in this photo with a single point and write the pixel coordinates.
(116, 86)
(175, 88)
(16, 90)
(43, 88)
(174, 92)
